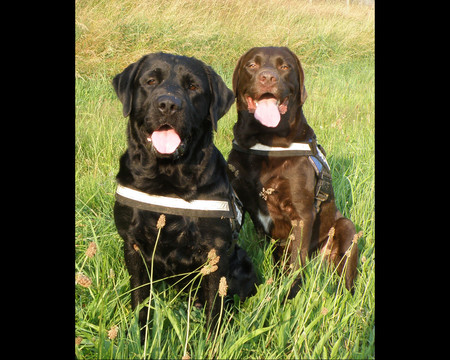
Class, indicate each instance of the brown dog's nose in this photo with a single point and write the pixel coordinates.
(168, 105)
(268, 78)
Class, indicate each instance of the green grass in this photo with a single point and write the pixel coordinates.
(335, 45)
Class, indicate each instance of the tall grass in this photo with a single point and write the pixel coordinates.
(335, 45)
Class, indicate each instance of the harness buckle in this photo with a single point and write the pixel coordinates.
(323, 189)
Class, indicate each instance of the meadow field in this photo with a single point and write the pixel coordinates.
(335, 44)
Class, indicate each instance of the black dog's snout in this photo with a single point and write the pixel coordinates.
(168, 104)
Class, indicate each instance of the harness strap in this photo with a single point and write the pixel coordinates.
(316, 156)
(231, 208)
(295, 149)
(237, 221)
(175, 205)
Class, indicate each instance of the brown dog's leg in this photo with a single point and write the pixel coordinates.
(300, 241)
(344, 253)
(301, 238)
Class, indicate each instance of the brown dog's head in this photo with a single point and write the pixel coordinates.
(268, 82)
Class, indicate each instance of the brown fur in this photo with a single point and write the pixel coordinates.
(282, 188)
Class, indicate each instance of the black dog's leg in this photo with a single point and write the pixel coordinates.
(210, 291)
(138, 277)
(241, 278)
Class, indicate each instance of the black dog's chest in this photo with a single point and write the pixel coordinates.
(177, 240)
(182, 244)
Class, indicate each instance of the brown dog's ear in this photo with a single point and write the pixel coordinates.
(236, 76)
(236, 73)
(303, 93)
(221, 96)
(122, 84)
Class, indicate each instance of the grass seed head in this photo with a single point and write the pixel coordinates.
(213, 258)
(223, 286)
(265, 192)
(211, 263)
(356, 237)
(83, 280)
(112, 333)
(91, 250)
(331, 232)
(161, 222)
(208, 269)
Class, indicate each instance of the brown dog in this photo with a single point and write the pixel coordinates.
(277, 169)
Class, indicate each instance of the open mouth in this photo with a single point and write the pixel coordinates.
(267, 109)
(165, 139)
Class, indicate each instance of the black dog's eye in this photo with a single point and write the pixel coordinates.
(192, 87)
(151, 81)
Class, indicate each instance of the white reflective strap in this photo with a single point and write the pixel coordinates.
(292, 147)
(171, 202)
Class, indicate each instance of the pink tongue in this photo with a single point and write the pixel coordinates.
(267, 113)
(165, 141)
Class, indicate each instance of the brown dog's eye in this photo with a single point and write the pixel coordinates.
(151, 81)
(251, 65)
(284, 67)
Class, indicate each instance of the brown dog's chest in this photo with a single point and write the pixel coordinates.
(287, 191)
(281, 189)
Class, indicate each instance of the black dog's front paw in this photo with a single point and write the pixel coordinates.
(295, 287)
(242, 278)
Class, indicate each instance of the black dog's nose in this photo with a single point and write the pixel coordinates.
(168, 104)
(268, 78)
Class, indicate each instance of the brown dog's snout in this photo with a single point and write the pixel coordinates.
(168, 104)
(268, 78)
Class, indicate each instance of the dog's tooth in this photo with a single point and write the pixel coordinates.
(256, 103)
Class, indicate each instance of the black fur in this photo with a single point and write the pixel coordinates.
(196, 170)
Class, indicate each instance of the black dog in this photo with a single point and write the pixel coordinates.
(278, 170)
(174, 103)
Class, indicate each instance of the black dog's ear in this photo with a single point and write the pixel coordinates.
(122, 84)
(222, 96)
(301, 78)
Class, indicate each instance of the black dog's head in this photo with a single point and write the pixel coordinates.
(173, 102)
(268, 82)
